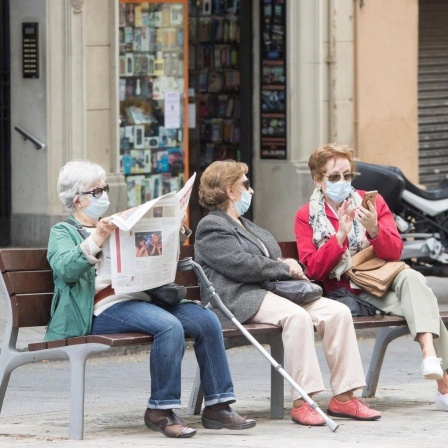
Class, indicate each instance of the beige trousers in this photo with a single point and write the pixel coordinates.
(411, 297)
(333, 322)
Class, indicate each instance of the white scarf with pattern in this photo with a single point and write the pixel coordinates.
(323, 230)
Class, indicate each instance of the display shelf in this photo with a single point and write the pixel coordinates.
(153, 98)
(220, 85)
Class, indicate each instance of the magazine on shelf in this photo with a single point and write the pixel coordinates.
(142, 253)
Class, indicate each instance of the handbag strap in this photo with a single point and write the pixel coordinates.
(79, 227)
(82, 232)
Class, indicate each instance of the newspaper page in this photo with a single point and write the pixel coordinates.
(145, 256)
(143, 251)
(184, 196)
(124, 220)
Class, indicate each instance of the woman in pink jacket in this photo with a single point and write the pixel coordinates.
(334, 225)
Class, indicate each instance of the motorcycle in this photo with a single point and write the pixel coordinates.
(421, 215)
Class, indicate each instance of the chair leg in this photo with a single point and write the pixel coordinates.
(383, 337)
(78, 360)
(5, 374)
(277, 382)
(196, 396)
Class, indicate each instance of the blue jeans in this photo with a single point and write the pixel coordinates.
(169, 325)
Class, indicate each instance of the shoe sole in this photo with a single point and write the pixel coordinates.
(364, 419)
(433, 376)
(307, 424)
(153, 427)
(212, 424)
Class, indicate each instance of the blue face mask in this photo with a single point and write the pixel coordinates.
(97, 206)
(243, 205)
(337, 191)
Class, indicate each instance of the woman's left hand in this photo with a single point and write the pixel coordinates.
(295, 269)
(103, 229)
(368, 218)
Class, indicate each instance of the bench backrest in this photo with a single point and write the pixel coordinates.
(28, 281)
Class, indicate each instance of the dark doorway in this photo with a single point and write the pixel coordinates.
(5, 127)
(220, 82)
(433, 92)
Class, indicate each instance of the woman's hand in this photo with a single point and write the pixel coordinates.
(346, 215)
(368, 218)
(102, 231)
(295, 269)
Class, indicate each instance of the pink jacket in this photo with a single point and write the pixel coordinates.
(319, 262)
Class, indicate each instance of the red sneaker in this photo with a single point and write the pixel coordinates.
(306, 415)
(354, 408)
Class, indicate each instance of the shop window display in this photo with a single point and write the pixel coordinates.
(152, 91)
(214, 63)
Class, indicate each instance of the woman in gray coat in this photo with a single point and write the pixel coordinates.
(237, 255)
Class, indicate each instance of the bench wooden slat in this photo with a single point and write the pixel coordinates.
(31, 310)
(37, 346)
(289, 249)
(254, 329)
(186, 278)
(121, 339)
(29, 282)
(193, 293)
(23, 260)
(112, 340)
(57, 343)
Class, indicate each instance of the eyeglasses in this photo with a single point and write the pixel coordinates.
(97, 192)
(246, 184)
(336, 177)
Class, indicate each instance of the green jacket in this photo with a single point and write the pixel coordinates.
(74, 284)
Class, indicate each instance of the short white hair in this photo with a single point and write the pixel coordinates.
(75, 177)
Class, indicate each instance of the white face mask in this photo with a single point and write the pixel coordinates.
(243, 205)
(97, 206)
(337, 191)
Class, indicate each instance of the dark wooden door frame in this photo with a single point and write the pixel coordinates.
(5, 126)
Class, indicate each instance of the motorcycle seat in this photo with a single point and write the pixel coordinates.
(432, 195)
(389, 184)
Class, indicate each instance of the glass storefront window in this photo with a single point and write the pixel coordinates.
(153, 100)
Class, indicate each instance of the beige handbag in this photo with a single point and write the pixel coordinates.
(373, 274)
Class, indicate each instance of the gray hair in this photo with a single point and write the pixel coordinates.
(75, 177)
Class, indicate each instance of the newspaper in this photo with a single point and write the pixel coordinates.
(143, 251)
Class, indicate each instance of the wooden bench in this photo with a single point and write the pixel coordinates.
(27, 286)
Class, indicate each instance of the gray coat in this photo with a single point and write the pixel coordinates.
(234, 261)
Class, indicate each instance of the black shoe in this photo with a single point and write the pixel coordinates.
(225, 418)
(170, 425)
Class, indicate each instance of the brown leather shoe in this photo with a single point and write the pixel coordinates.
(170, 425)
(225, 418)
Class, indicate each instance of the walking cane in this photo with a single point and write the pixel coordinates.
(215, 300)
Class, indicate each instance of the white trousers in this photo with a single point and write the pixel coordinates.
(411, 297)
(334, 324)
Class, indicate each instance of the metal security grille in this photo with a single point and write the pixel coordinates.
(5, 126)
(433, 91)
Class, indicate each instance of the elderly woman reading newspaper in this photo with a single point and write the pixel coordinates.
(85, 303)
